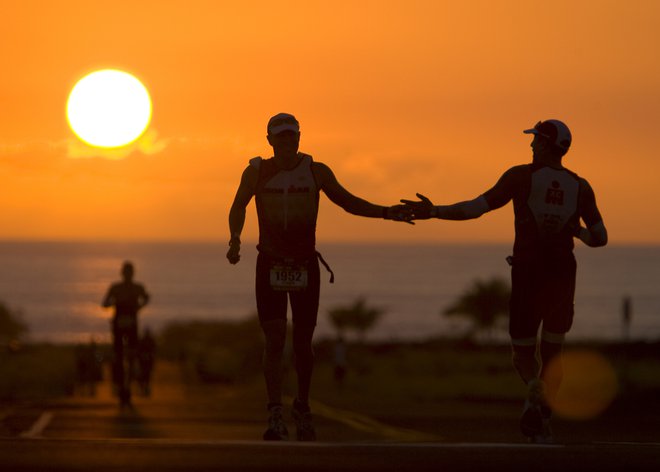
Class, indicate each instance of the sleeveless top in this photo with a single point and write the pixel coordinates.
(287, 208)
(547, 213)
(546, 208)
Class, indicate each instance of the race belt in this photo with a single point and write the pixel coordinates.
(288, 277)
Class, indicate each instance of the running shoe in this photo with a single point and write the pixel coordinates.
(531, 421)
(545, 436)
(303, 418)
(276, 427)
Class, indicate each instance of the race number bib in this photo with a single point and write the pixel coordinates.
(288, 277)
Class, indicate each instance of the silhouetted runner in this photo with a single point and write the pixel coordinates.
(548, 202)
(286, 189)
(128, 298)
(146, 359)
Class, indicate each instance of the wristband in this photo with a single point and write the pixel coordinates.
(234, 240)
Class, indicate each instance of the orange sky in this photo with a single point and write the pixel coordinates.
(397, 97)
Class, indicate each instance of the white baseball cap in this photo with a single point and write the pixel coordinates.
(553, 130)
(282, 122)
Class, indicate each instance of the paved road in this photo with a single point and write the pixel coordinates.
(184, 427)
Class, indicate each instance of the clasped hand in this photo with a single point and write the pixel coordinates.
(399, 213)
(421, 210)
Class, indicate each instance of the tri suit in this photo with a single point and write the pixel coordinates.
(547, 209)
(287, 264)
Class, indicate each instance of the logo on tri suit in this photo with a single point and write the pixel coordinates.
(552, 199)
(554, 195)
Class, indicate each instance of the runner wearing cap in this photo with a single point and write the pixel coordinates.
(286, 188)
(548, 202)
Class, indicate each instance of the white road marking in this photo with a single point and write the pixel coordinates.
(39, 426)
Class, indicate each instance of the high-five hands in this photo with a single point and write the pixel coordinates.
(421, 210)
(398, 213)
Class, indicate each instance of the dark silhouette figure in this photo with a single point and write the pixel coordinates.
(340, 362)
(146, 357)
(626, 320)
(549, 201)
(286, 188)
(88, 367)
(626, 317)
(128, 298)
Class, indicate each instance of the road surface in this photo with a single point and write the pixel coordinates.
(183, 426)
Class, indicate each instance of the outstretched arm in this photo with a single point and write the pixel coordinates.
(243, 196)
(498, 196)
(425, 209)
(340, 196)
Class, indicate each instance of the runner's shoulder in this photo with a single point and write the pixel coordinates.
(251, 172)
(515, 175)
(321, 171)
(522, 169)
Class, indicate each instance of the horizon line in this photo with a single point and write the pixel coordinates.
(253, 242)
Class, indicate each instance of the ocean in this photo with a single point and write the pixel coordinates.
(58, 287)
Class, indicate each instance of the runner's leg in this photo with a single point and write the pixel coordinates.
(271, 308)
(551, 352)
(304, 308)
(275, 338)
(303, 359)
(524, 318)
(119, 365)
(525, 359)
(558, 319)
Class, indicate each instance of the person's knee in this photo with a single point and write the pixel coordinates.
(274, 335)
(550, 352)
(302, 345)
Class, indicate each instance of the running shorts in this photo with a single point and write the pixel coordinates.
(542, 291)
(272, 304)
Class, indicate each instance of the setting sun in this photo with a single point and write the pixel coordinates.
(108, 108)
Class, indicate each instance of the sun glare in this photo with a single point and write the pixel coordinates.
(108, 108)
(588, 387)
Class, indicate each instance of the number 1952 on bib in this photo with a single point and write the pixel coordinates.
(288, 278)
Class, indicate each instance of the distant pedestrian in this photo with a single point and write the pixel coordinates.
(626, 316)
(548, 202)
(128, 298)
(340, 360)
(146, 359)
(88, 367)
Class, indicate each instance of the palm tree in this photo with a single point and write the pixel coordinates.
(357, 317)
(12, 328)
(484, 302)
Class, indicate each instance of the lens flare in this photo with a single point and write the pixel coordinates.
(588, 387)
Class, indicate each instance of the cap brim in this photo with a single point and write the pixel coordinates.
(531, 131)
(283, 127)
